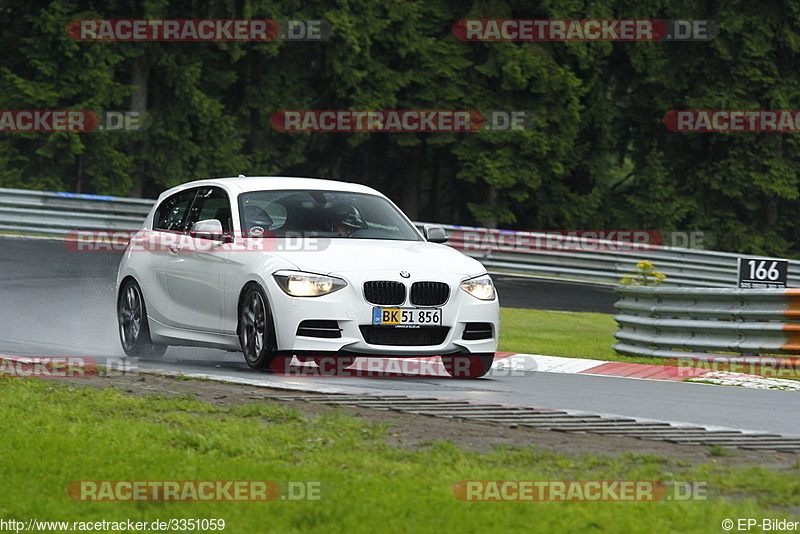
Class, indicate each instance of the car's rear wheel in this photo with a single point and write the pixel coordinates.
(469, 366)
(256, 334)
(134, 330)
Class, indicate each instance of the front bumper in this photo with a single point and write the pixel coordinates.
(463, 319)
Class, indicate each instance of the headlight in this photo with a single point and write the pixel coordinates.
(299, 284)
(480, 287)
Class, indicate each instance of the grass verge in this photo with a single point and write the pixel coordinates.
(570, 334)
(591, 335)
(55, 434)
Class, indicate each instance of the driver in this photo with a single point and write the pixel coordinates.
(345, 220)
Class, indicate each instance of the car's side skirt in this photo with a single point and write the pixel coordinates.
(161, 333)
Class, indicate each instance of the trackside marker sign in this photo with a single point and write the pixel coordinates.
(762, 273)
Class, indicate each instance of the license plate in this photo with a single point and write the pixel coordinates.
(407, 316)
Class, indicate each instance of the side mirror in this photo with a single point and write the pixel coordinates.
(434, 233)
(207, 229)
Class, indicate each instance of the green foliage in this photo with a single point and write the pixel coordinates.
(599, 156)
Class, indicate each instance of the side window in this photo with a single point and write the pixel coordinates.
(171, 214)
(210, 203)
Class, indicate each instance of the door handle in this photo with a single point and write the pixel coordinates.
(175, 247)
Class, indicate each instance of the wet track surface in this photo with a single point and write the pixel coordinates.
(61, 303)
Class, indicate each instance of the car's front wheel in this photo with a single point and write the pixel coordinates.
(470, 366)
(256, 335)
(134, 331)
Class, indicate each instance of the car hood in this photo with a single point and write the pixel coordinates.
(332, 256)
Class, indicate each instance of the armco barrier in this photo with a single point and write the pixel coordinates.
(597, 259)
(703, 323)
(48, 213)
(547, 254)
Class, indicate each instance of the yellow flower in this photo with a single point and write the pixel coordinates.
(645, 275)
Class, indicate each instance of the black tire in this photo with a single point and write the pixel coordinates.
(256, 332)
(134, 330)
(469, 366)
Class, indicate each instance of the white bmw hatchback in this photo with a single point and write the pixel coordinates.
(275, 266)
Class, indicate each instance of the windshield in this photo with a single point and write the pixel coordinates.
(322, 214)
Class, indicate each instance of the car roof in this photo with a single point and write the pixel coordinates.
(244, 184)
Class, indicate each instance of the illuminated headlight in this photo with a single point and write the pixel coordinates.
(299, 284)
(480, 287)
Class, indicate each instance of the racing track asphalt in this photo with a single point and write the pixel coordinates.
(56, 302)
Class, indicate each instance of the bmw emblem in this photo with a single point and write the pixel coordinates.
(405, 274)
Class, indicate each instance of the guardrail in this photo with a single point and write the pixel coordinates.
(538, 253)
(598, 259)
(48, 213)
(703, 323)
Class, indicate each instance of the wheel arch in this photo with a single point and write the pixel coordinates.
(144, 346)
(124, 280)
(240, 302)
